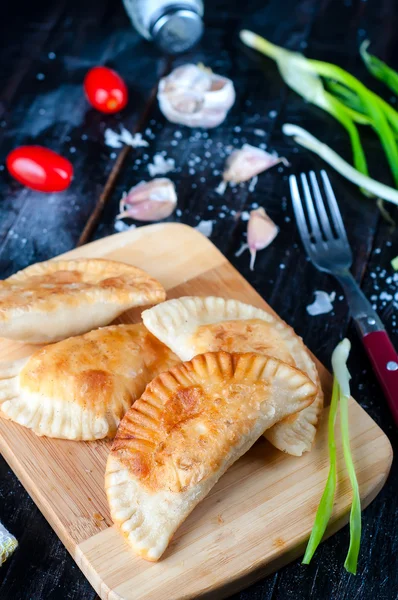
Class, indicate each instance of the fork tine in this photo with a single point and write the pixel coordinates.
(299, 212)
(334, 208)
(315, 229)
(323, 216)
(298, 207)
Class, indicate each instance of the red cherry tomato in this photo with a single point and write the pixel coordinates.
(40, 168)
(105, 90)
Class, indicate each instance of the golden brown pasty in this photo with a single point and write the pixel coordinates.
(188, 427)
(193, 325)
(80, 388)
(53, 300)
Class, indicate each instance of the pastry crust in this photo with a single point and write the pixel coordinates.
(80, 388)
(188, 427)
(53, 300)
(193, 325)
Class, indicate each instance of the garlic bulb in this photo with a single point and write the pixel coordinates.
(194, 96)
(149, 200)
(248, 162)
(261, 231)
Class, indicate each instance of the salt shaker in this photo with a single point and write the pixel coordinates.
(173, 26)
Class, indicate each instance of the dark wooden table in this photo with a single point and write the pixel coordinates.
(46, 48)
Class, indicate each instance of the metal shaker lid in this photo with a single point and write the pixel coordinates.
(177, 30)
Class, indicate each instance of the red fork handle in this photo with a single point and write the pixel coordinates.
(384, 359)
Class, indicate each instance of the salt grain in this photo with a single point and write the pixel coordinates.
(160, 165)
(113, 139)
(121, 226)
(220, 189)
(322, 303)
(205, 227)
(253, 183)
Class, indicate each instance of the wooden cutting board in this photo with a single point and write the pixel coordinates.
(259, 515)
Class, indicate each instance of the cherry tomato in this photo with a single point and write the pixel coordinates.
(40, 168)
(105, 90)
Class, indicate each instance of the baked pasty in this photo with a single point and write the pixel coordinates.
(193, 325)
(80, 388)
(189, 426)
(53, 300)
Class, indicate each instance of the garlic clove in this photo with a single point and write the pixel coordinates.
(186, 102)
(194, 96)
(221, 94)
(188, 77)
(149, 201)
(248, 162)
(261, 231)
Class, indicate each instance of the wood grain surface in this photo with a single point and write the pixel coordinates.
(259, 514)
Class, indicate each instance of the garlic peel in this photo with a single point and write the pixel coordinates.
(261, 231)
(149, 201)
(248, 162)
(195, 96)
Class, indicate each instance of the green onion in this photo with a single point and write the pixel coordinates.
(340, 395)
(303, 76)
(394, 263)
(350, 99)
(353, 103)
(305, 139)
(378, 68)
(308, 84)
(326, 504)
(372, 105)
(341, 373)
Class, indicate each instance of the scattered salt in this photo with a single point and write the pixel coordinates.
(322, 303)
(40, 76)
(113, 139)
(245, 215)
(161, 165)
(220, 189)
(260, 132)
(122, 226)
(385, 296)
(253, 183)
(205, 227)
(272, 114)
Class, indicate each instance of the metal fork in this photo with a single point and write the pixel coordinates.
(326, 243)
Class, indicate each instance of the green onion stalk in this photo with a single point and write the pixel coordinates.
(304, 76)
(340, 396)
